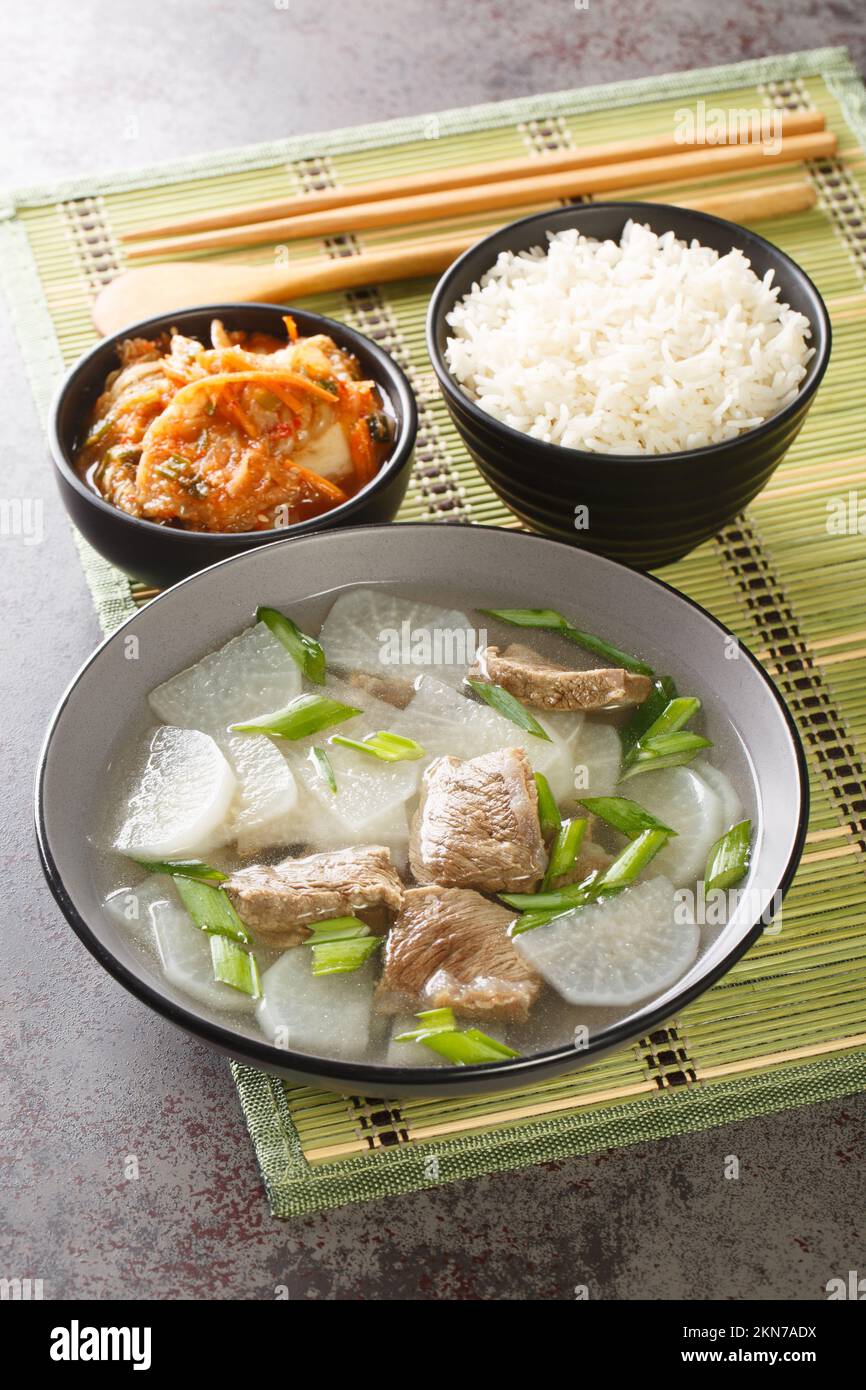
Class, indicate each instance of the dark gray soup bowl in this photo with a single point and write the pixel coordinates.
(462, 565)
(644, 510)
(161, 555)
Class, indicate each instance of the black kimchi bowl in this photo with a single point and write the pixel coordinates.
(160, 555)
(641, 509)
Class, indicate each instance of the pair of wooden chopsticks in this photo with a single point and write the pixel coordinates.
(407, 260)
(463, 191)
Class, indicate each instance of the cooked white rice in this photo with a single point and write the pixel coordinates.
(649, 346)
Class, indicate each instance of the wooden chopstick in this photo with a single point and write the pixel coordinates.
(752, 204)
(408, 260)
(426, 207)
(463, 176)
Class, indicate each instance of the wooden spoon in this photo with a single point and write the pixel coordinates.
(158, 289)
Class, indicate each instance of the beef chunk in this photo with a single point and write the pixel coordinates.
(542, 684)
(477, 824)
(278, 902)
(450, 948)
(391, 689)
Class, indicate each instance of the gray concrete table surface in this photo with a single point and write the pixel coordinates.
(91, 1076)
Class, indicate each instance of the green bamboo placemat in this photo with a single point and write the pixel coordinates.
(787, 1025)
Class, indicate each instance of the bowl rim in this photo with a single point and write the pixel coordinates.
(375, 1077)
(512, 437)
(393, 373)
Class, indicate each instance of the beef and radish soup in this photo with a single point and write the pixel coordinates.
(420, 835)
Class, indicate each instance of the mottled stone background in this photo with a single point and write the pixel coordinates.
(90, 1074)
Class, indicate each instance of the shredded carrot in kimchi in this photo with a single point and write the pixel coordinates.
(242, 434)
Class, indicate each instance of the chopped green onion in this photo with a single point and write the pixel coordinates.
(440, 1033)
(548, 812)
(306, 651)
(340, 957)
(340, 945)
(527, 921)
(505, 704)
(336, 929)
(664, 690)
(307, 714)
(610, 653)
(391, 748)
(210, 908)
(623, 870)
(99, 431)
(563, 851)
(551, 899)
(728, 860)
(620, 873)
(323, 764)
(624, 815)
(675, 715)
(327, 384)
(182, 868)
(665, 750)
(548, 620)
(232, 966)
(432, 1021)
(468, 1048)
(545, 618)
(660, 743)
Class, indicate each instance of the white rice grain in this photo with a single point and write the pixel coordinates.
(646, 346)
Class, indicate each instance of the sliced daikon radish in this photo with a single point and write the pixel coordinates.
(617, 951)
(368, 790)
(732, 807)
(130, 907)
(252, 674)
(313, 820)
(369, 806)
(267, 795)
(446, 721)
(371, 794)
(564, 725)
(184, 950)
(597, 755)
(374, 630)
(679, 797)
(181, 803)
(328, 1015)
(556, 758)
